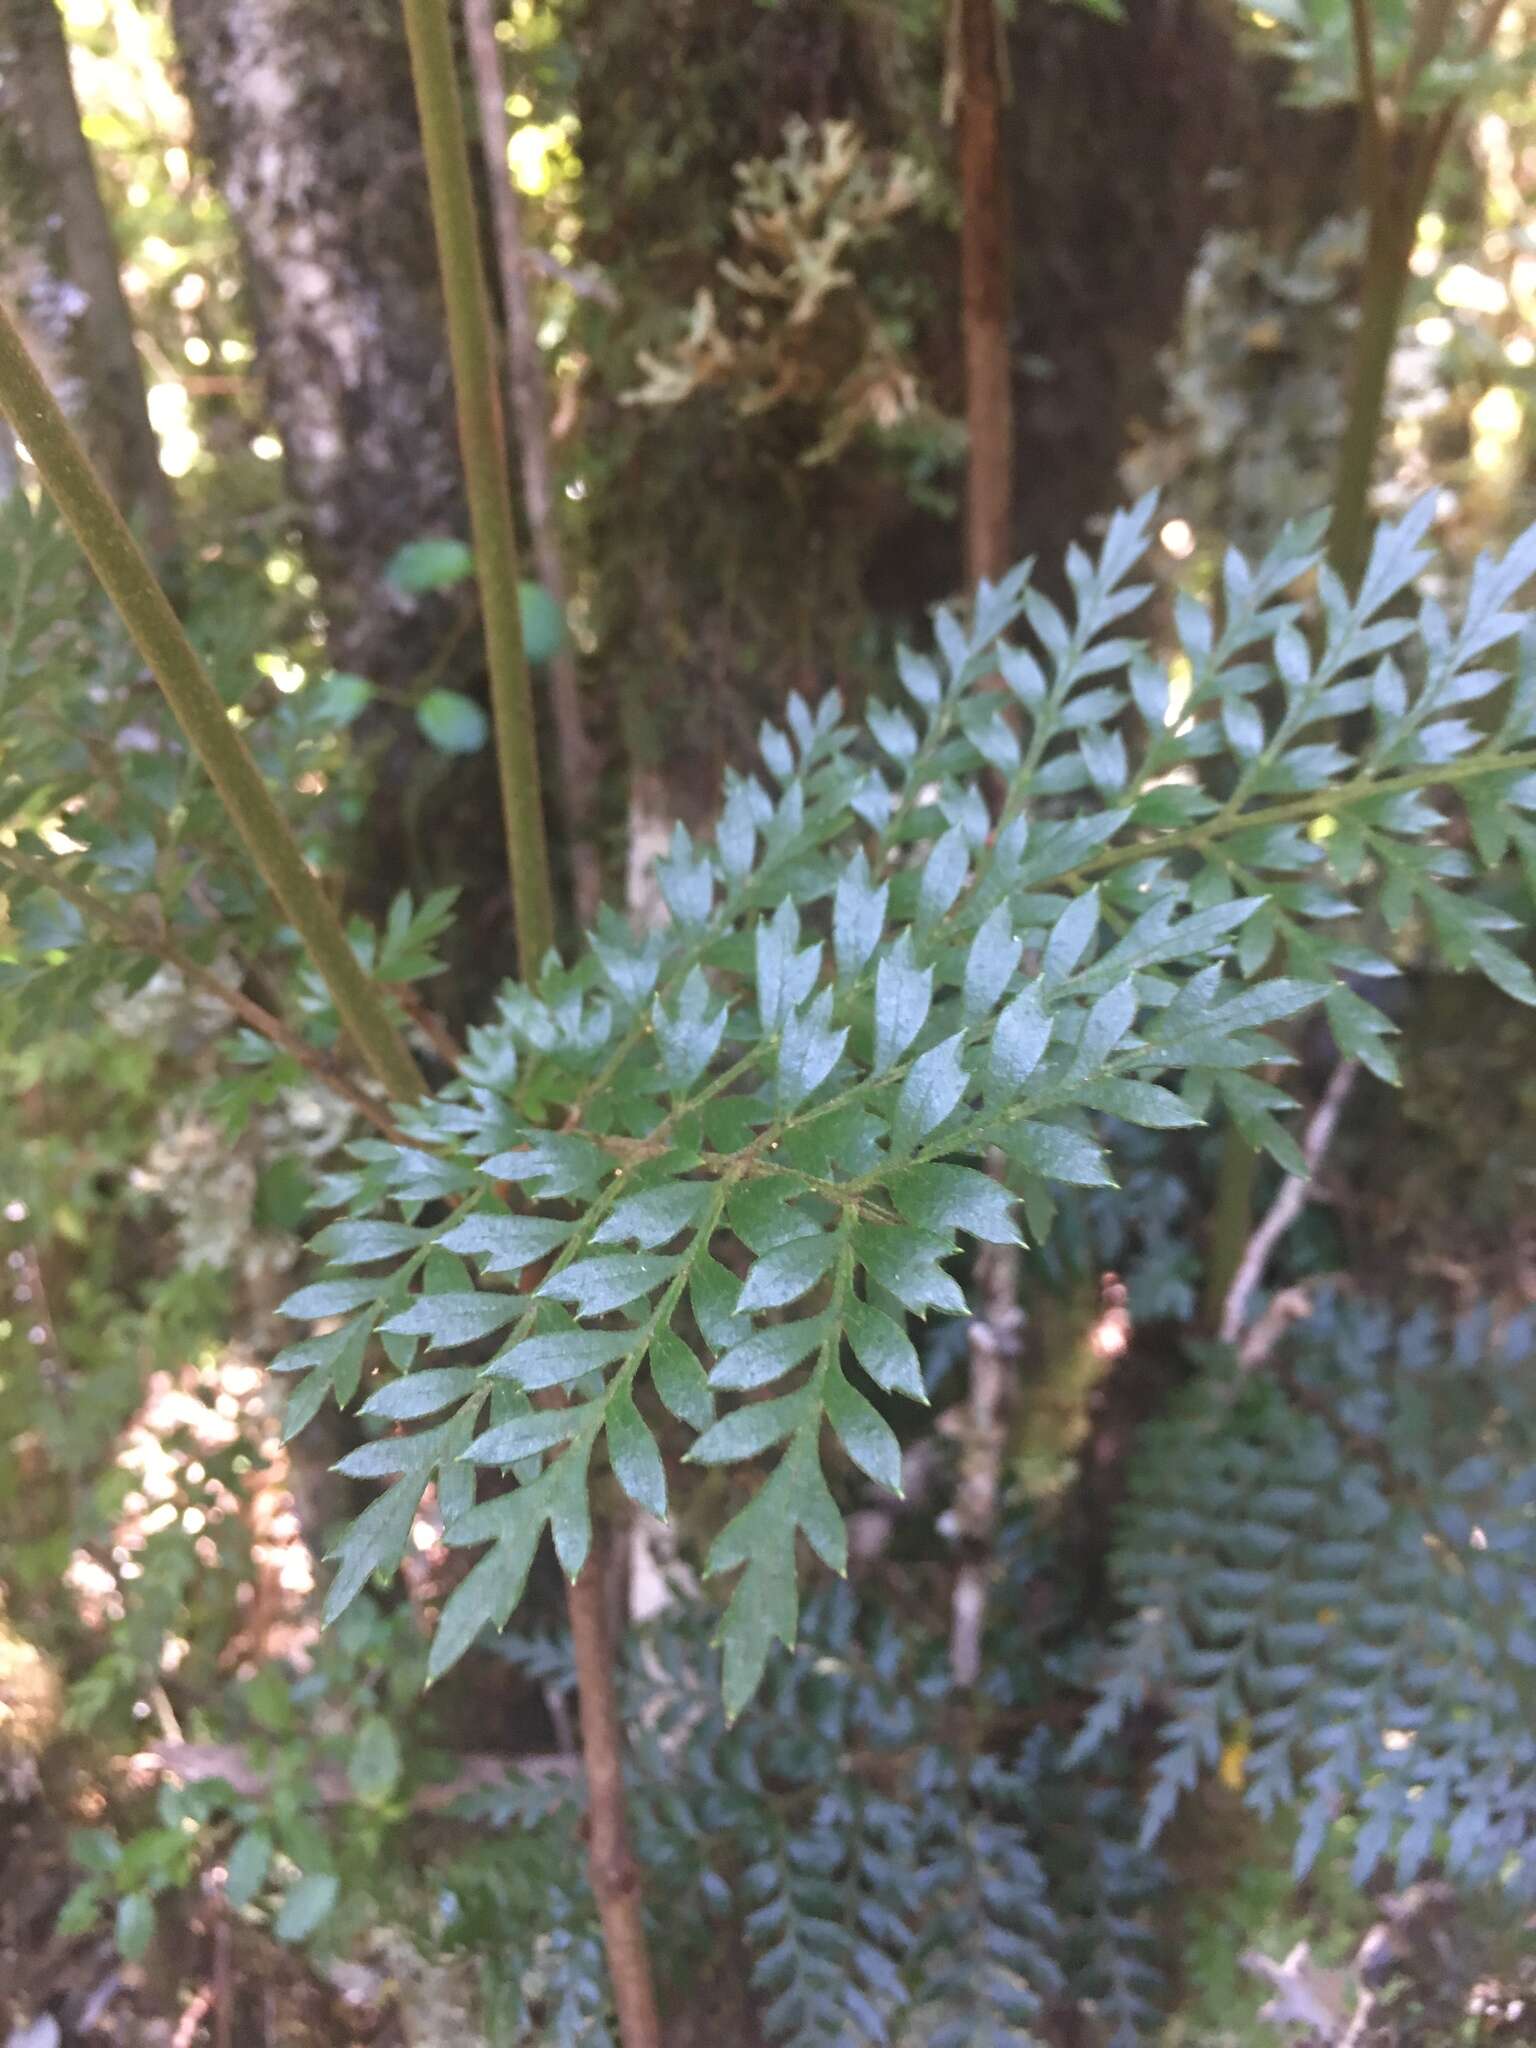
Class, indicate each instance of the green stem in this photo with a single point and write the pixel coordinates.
(483, 450)
(1319, 803)
(611, 1864)
(1381, 309)
(1237, 1179)
(145, 610)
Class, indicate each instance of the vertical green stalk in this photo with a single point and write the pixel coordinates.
(145, 610)
(611, 1864)
(483, 448)
(1237, 1180)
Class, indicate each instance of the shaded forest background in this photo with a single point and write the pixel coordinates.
(738, 387)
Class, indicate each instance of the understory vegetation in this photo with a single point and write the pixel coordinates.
(767, 1210)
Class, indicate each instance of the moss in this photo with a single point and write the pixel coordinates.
(1445, 1167)
(1071, 1358)
(1235, 1893)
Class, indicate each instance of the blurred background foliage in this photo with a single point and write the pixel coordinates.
(216, 1824)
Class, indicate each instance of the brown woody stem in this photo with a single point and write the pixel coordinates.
(996, 1328)
(611, 1865)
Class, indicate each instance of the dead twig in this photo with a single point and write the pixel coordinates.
(587, 282)
(1306, 1995)
(429, 1024)
(995, 1342)
(192, 1763)
(1293, 1197)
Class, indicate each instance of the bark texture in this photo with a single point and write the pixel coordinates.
(304, 109)
(728, 575)
(730, 572)
(1130, 142)
(58, 265)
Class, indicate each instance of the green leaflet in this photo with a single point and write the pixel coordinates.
(423, 1393)
(788, 1271)
(653, 1218)
(884, 1350)
(634, 1456)
(903, 994)
(864, 1433)
(596, 1286)
(447, 1320)
(938, 1198)
(554, 1361)
(930, 1092)
(506, 1244)
(767, 1355)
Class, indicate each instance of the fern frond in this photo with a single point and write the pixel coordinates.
(724, 1163)
(1336, 1575)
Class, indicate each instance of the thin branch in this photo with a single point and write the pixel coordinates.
(128, 580)
(429, 1024)
(1293, 1197)
(1290, 1305)
(611, 1861)
(526, 392)
(587, 283)
(137, 939)
(1432, 24)
(995, 1335)
(1487, 27)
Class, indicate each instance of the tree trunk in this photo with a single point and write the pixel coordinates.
(731, 573)
(730, 577)
(1130, 142)
(58, 265)
(304, 110)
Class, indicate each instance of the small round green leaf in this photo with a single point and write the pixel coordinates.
(454, 723)
(543, 623)
(373, 1769)
(306, 1906)
(135, 1925)
(340, 698)
(423, 565)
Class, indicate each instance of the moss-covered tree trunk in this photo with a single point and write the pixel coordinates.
(729, 574)
(58, 263)
(729, 571)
